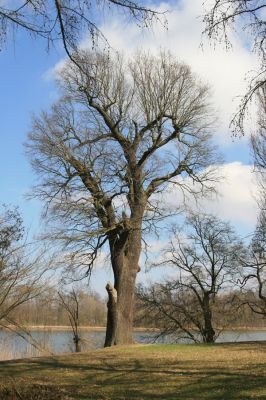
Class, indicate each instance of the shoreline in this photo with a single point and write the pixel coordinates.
(67, 328)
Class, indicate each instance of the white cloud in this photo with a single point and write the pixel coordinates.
(53, 72)
(237, 196)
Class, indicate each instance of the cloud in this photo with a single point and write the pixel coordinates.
(236, 201)
(53, 72)
(225, 71)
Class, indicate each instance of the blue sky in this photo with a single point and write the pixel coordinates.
(25, 89)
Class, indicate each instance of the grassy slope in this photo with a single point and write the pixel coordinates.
(191, 372)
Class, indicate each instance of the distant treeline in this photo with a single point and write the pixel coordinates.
(231, 310)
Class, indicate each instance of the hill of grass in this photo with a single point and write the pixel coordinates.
(141, 372)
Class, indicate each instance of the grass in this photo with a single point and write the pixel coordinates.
(142, 372)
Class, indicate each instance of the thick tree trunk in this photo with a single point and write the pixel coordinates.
(125, 263)
(209, 332)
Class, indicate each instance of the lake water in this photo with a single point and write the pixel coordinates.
(12, 346)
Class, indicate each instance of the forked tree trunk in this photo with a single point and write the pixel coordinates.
(125, 263)
(111, 315)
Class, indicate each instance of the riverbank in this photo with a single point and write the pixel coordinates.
(142, 372)
(67, 328)
(136, 329)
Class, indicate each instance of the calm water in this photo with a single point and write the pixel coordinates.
(12, 346)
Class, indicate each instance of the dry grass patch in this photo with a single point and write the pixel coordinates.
(170, 372)
(23, 390)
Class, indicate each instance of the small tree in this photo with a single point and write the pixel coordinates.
(121, 132)
(207, 258)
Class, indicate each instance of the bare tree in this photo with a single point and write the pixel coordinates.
(246, 16)
(66, 20)
(118, 137)
(70, 302)
(207, 257)
(21, 268)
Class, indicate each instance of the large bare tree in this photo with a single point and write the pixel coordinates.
(120, 134)
(246, 17)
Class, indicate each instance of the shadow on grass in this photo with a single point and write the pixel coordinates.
(111, 378)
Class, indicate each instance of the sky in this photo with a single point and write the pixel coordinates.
(27, 87)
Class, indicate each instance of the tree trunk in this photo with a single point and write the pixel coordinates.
(209, 333)
(76, 340)
(125, 263)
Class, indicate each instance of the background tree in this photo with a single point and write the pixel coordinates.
(246, 16)
(207, 259)
(119, 135)
(45, 310)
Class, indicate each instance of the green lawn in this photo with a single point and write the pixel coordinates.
(171, 372)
